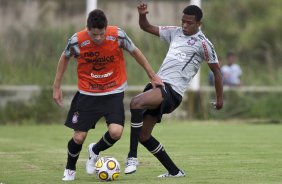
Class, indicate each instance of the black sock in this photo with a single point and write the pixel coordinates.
(104, 143)
(73, 154)
(136, 125)
(155, 147)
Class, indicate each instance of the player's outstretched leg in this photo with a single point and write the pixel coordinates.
(155, 147)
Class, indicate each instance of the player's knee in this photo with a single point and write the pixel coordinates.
(79, 139)
(135, 103)
(115, 134)
(115, 131)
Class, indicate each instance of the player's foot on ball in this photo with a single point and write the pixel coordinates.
(130, 165)
(167, 175)
(90, 164)
(69, 175)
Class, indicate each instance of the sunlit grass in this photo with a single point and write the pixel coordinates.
(209, 152)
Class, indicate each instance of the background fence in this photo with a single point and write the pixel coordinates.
(19, 104)
(33, 34)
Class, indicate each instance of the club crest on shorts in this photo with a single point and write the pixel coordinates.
(75, 117)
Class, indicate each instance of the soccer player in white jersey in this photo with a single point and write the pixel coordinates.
(188, 48)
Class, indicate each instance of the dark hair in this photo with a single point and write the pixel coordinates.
(194, 10)
(97, 19)
(230, 53)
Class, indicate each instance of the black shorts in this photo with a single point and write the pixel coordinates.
(171, 101)
(86, 110)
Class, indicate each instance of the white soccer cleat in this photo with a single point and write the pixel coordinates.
(131, 165)
(93, 158)
(167, 175)
(69, 175)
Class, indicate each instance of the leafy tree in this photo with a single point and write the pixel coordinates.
(253, 29)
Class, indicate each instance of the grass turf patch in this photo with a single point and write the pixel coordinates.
(208, 152)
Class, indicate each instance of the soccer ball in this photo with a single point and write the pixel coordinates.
(107, 168)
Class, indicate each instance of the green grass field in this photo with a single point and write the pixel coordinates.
(209, 152)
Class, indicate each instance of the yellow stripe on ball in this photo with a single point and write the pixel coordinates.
(111, 165)
(103, 175)
(115, 176)
(99, 164)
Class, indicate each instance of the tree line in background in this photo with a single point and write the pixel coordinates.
(251, 28)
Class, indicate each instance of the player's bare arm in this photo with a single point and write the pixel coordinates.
(141, 59)
(218, 84)
(61, 68)
(143, 21)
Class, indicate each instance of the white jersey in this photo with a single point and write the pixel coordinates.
(184, 56)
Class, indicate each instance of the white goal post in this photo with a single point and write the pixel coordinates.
(195, 83)
(90, 5)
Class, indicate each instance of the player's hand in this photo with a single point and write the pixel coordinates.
(217, 105)
(142, 8)
(58, 96)
(156, 81)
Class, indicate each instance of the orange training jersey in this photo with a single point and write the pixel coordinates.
(101, 68)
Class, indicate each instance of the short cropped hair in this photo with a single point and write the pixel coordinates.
(97, 19)
(230, 53)
(194, 10)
